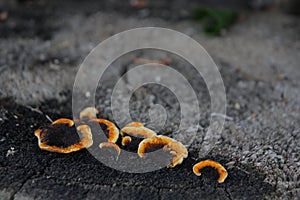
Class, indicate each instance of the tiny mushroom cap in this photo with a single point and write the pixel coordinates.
(175, 148)
(126, 140)
(150, 142)
(109, 145)
(137, 129)
(61, 144)
(89, 113)
(113, 131)
(210, 163)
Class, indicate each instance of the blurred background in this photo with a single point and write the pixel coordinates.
(255, 44)
(260, 37)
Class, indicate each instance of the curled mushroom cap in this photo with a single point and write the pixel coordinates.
(62, 137)
(111, 145)
(154, 141)
(126, 140)
(210, 163)
(174, 147)
(89, 113)
(113, 131)
(137, 129)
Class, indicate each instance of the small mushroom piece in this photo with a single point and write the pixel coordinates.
(88, 113)
(111, 145)
(113, 131)
(138, 130)
(69, 122)
(174, 147)
(126, 140)
(151, 142)
(62, 137)
(210, 163)
(135, 124)
(178, 150)
(86, 135)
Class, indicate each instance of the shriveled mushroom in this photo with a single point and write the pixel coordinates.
(90, 114)
(112, 135)
(62, 137)
(174, 147)
(210, 163)
(138, 130)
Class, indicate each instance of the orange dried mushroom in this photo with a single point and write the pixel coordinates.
(210, 163)
(62, 137)
(126, 140)
(112, 134)
(138, 130)
(174, 147)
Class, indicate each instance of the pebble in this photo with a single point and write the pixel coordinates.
(237, 106)
(87, 94)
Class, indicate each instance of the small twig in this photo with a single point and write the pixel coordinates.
(34, 109)
(221, 115)
(38, 111)
(49, 118)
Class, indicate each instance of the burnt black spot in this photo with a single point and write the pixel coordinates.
(60, 135)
